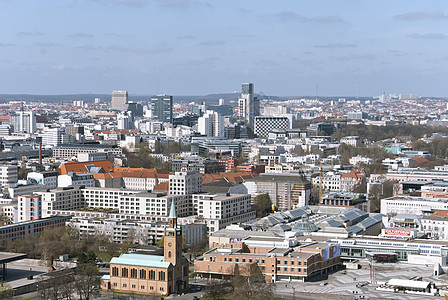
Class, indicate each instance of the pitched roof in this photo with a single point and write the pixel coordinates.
(84, 167)
(235, 177)
(142, 260)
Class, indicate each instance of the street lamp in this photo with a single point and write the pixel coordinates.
(293, 293)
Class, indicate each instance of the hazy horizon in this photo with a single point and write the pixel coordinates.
(193, 47)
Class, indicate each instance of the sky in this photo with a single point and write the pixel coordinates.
(199, 47)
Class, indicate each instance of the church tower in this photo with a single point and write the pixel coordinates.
(173, 247)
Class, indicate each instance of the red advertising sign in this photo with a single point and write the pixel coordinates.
(397, 232)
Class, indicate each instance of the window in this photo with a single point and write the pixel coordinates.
(285, 269)
(152, 275)
(133, 286)
(114, 271)
(133, 273)
(124, 272)
(162, 276)
(169, 254)
(142, 274)
(142, 287)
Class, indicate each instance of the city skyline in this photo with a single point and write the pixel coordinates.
(183, 47)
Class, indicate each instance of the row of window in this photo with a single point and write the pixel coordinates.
(142, 274)
(133, 286)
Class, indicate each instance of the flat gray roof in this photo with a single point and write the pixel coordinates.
(7, 257)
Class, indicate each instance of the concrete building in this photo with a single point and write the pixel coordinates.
(248, 104)
(69, 198)
(162, 108)
(55, 137)
(204, 166)
(93, 156)
(211, 124)
(185, 183)
(412, 205)
(285, 190)
(277, 260)
(68, 151)
(221, 210)
(150, 274)
(353, 141)
(29, 208)
(8, 175)
(119, 100)
(138, 232)
(47, 178)
(23, 122)
(84, 179)
(31, 228)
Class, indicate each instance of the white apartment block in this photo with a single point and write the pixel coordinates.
(85, 179)
(412, 205)
(69, 198)
(353, 141)
(156, 203)
(221, 210)
(356, 160)
(331, 181)
(185, 183)
(408, 174)
(47, 178)
(8, 175)
(435, 228)
(142, 183)
(92, 156)
(141, 232)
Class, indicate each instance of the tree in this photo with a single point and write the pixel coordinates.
(251, 284)
(87, 257)
(379, 191)
(217, 290)
(86, 281)
(263, 204)
(6, 291)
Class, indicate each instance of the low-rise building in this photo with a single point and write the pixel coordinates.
(277, 260)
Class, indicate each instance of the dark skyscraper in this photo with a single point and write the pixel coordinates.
(162, 108)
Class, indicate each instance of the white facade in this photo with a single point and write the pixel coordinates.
(211, 124)
(72, 178)
(61, 199)
(412, 205)
(185, 183)
(47, 178)
(93, 156)
(353, 141)
(141, 232)
(221, 206)
(23, 121)
(356, 160)
(55, 137)
(8, 175)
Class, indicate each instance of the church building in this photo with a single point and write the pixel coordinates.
(151, 274)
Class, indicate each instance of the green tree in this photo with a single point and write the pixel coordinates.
(6, 291)
(263, 204)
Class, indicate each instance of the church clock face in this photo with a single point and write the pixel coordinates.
(170, 244)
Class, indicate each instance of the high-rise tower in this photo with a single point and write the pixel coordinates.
(249, 106)
(162, 108)
(119, 100)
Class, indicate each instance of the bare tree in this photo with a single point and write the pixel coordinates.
(250, 283)
(86, 281)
